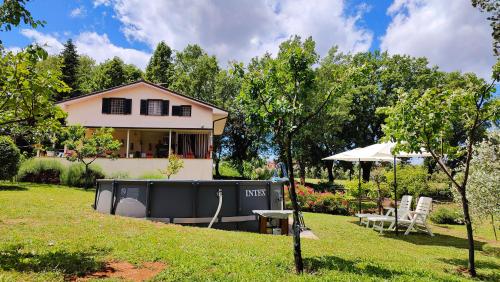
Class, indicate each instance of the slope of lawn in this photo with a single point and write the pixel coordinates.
(51, 232)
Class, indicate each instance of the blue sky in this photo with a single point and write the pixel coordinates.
(452, 34)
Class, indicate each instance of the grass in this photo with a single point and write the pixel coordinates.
(51, 232)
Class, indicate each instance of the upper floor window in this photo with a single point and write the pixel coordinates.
(183, 110)
(154, 107)
(116, 106)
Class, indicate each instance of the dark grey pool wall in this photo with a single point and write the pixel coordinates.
(190, 202)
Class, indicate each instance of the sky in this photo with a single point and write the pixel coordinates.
(450, 33)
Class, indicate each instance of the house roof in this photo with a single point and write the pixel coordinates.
(147, 83)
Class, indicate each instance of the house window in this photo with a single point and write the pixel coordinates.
(154, 107)
(183, 111)
(117, 107)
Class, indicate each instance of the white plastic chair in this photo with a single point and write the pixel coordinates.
(414, 220)
(404, 207)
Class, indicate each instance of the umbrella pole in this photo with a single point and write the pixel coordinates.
(359, 189)
(395, 197)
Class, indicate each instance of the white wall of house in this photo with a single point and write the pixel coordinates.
(87, 111)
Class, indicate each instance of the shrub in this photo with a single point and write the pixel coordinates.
(261, 173)
(445, 215)
(41, 171)
(326, 202)
(119, 175)
(74, 175)
(411, 180)
(152, 175)
(9, 158)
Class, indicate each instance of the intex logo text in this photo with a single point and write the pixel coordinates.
(255, 193)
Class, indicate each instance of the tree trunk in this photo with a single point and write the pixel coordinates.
(494, 227)
(379, 199)
(366, 166)
(470, 236)
(297, 253)
(87, 176)
(217, 171)
(302, 172)
(329, 168)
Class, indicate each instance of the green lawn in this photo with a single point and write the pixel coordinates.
(51, 232)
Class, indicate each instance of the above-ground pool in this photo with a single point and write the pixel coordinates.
(190, 202)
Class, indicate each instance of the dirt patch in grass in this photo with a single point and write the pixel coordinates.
(124, 270)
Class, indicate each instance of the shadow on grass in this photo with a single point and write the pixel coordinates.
(462, 264)
(12, 188)
(69, 263)
(359, 267)
(421, 238)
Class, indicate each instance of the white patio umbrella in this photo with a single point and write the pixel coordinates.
(377, 152)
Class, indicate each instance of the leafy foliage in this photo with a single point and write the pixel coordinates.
(437, 117)
(114, 72)
(9, 158)
(86, 148)
(27, 89)
(38, 170)
(78, 175)
(159, 69)
(13, 13)
(447, 215)
(69, 68)
(175, 164)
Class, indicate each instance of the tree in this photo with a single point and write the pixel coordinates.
(428, 118)
(86, 149)
(159, 69)
(484, 184)
(114, 73)
(13, 12)
(85, 74)
(195, 73)
(492, 7)
(175, 164)
(10, 158)
(27, 88)
(279, 91)
(69, 69)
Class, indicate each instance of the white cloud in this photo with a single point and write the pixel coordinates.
(451, 34)
(97, 46)
(79, 12)
(49, 42)
(240, 29)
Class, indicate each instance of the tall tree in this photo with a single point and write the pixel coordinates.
(159, 69)
(85, 74)
(279, 91)
(69, 70)
(195, 73)
(428, 118)
(115, 72)
(27, 88)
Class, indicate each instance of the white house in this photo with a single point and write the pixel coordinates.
(151, 121)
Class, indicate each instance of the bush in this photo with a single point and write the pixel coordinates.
(411, 180)
(9, 158)
(41, 171)
(119, 175)
(445, 215)
(326, 202)
(152, 175)
(74, 175)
